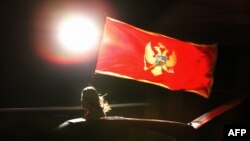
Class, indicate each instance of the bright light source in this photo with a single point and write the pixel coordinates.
(77, 34)
(67, 32)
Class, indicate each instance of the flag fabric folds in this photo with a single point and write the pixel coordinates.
(129, 52)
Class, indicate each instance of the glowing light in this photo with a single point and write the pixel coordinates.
(77, 34)
(67, 32)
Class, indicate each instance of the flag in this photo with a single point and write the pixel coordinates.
(132, 53)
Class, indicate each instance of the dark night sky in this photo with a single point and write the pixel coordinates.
(28, 80)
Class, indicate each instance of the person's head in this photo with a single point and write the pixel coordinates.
(93, 103)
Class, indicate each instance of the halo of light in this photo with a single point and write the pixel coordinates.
(76, 34)
(50, 16)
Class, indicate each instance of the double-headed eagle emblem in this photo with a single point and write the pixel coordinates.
(158, 58)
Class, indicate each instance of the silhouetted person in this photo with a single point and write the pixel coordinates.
(87, 127)
(96, 126)
(93, 104)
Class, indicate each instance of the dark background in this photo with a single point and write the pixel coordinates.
(27, 80)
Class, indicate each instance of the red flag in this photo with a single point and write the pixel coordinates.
(129, 52)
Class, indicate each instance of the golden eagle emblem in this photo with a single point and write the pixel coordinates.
(158, 59)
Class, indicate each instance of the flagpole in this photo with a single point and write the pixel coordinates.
(97, 51)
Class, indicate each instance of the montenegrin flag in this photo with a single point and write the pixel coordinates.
(132, 53)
